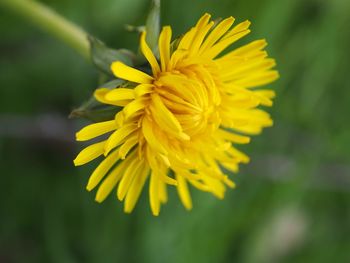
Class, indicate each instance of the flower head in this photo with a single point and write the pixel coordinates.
(180, 123)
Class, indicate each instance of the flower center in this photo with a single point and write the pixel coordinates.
(191, 95)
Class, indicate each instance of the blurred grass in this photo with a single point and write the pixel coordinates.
(292, 203)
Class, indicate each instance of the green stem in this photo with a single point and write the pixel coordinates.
(51, 22)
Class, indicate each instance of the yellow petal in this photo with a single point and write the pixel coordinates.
(131, 171)
(123, 71)
(184, 194)
(176, 57)
(250, 48)
(120, 94)
(147, 52)
(203, 21)
(154, 194)
(164, 46)
(89, 153)
(259, 79)
(216, 187)
(127, 146)
(229, 182)
(246, 51)
(265, 96)
(270, 94)
(108, 184)
(119, 119)
(186, 40)
(119, 135)
(168, 180)
(102, 169)
(100, 94)
(162, 192)
(248, 129)
(231, 166)
(199, 185)
(160, 165)
(248, 68)
(135, 190)
(217, 33)
(113, 178)
(135, 106)
(164, 116)
(201, 28)
(94, 130)
(187, 174)
(224, 43)
(150, 137)
(143, 89)
(238, 29)
(239, 155)
(198, 39)
(235, 138)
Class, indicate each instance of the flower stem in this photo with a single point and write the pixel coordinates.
(51, 22)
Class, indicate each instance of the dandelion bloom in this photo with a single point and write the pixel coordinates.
(179, 125)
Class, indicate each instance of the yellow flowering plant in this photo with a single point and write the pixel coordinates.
(177, 122)
(172, 115)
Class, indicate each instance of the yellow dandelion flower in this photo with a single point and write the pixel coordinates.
(179, 125)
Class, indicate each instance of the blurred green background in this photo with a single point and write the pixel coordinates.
(292, 203)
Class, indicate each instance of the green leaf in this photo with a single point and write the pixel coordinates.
(153, 25)
(103, 56)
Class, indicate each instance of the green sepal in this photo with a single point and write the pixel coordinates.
(96, 111)
(117, 83)
(113, 84)
(103, 56)
(153, 25)
(174, 44)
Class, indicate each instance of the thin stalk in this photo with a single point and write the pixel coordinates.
(51, 22)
